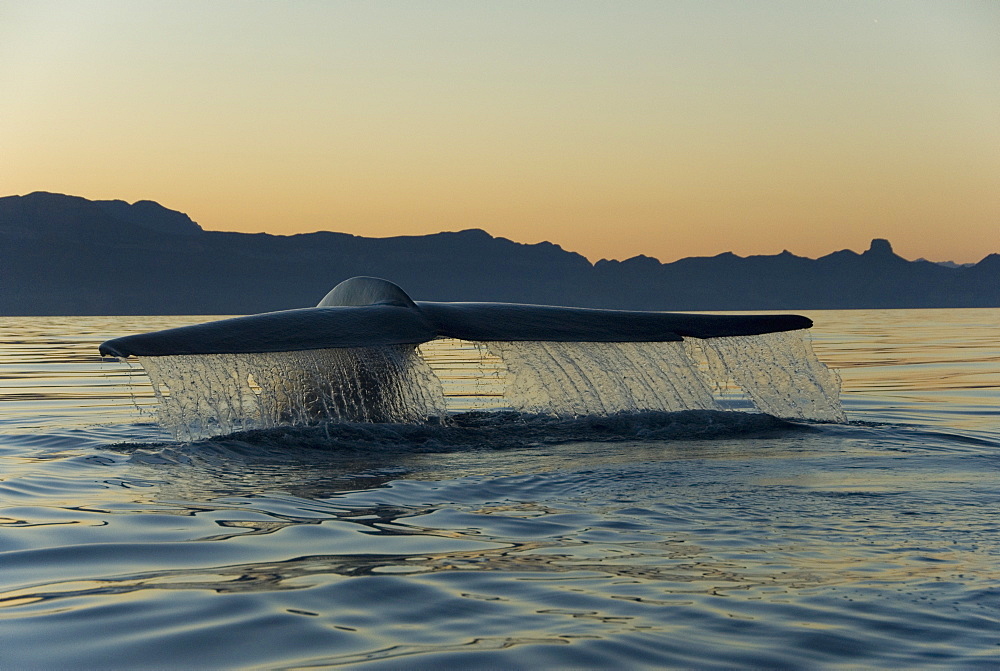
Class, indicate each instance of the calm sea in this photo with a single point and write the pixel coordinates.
(508, 542)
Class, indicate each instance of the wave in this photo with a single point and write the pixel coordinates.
(483, 430)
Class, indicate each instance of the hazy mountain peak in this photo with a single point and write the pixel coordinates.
(947, 264)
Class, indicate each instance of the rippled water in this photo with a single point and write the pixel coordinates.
(705, 539)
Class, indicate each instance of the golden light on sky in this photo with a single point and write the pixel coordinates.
(669, 129)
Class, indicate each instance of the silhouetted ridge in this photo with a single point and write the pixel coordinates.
(42, 214)
(68, 255)
(151, 215)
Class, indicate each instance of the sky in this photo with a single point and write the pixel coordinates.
(667, 128)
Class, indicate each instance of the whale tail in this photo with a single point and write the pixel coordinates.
(369, 311)
(353, 358)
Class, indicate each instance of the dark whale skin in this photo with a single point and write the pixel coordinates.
(368, 312)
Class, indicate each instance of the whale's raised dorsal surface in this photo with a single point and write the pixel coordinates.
(366, 291)
(368, 311)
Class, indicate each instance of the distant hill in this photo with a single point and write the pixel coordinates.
(65, 255)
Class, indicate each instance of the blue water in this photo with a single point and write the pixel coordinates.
(708, 540)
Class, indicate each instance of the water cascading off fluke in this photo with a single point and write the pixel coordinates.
(210, 394)
(355, 358)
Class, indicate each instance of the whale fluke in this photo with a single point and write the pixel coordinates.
(547, 323)
(368, 311)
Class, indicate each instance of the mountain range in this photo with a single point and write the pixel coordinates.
(66, 255)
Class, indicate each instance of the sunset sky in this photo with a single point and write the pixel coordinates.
(664, 128)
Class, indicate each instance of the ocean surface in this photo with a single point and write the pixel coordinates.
(500, 540)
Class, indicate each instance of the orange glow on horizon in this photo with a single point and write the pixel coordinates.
(665, 130)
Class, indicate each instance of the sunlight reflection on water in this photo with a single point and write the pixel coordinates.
(873, 543)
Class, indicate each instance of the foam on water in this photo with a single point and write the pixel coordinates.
(210, 394)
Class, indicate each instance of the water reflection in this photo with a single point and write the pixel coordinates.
(594, 554)
(616, 543)
(910, 365)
